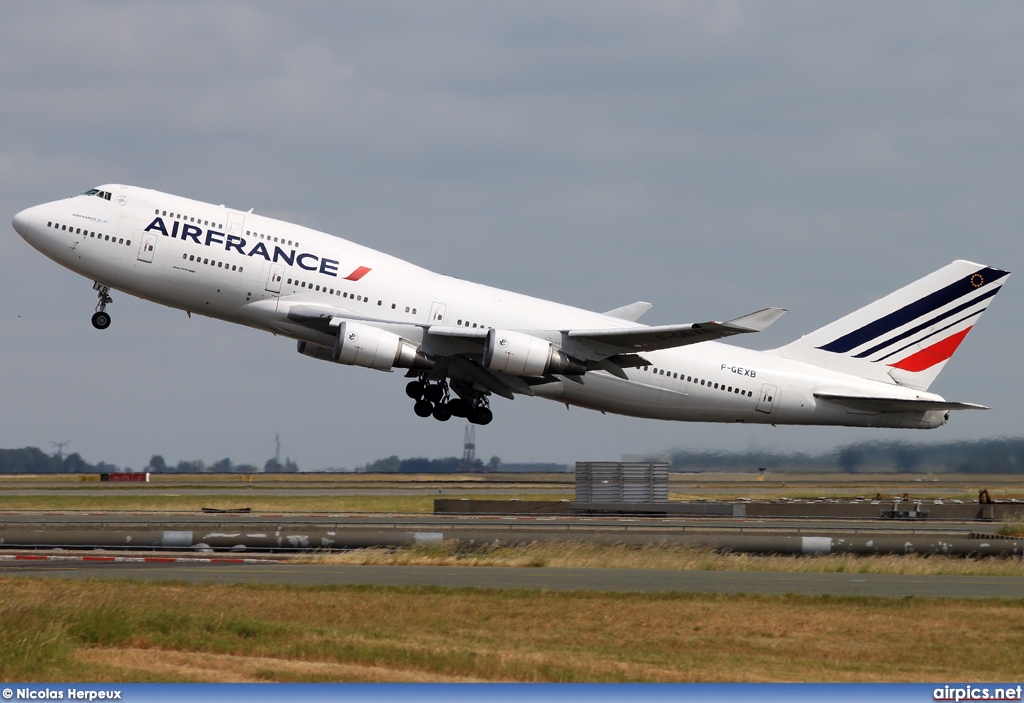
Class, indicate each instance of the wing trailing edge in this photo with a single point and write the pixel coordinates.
(641, 339)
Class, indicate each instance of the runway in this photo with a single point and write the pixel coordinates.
(567, 524)
(545, 579)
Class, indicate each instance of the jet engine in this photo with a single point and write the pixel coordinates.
(522, 354)
(370, 347)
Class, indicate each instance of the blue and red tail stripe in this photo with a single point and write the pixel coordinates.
(935, 354)
(909, 313)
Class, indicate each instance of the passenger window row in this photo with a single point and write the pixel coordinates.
(208, 223)
(211, 262)
(701, 381)
(338, 292)
(276, 240)
(319, 289)
(89, 233)
(187, 218)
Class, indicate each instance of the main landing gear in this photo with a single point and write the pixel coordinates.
(100, 319)
(434, 399)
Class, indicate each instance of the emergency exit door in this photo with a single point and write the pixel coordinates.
(147, 248)
(274, 279)
(437, 311)
(767, 399)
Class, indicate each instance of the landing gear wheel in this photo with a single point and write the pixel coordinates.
(434, 392)
(101, 320)
(442, 412)
(414, 389)
(459, 407)
(423, 408)
(481, 416)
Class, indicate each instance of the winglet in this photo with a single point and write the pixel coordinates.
(757, 321)
(631, 312)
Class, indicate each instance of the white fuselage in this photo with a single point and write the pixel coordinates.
(251, 270)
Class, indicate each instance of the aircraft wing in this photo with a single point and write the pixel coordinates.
(894, 405)
(641, 339)
(621, 341)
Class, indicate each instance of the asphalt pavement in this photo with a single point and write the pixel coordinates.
(543, 578)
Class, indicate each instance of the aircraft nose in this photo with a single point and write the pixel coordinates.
(21, 222)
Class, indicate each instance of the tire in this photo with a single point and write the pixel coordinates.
(423, 408)
(101, 320)
(459, 407)
(442, 412)
(414, 389)
(434, 393)
(481, 416)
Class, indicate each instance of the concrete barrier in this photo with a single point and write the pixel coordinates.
(870, 510)
(967, 545)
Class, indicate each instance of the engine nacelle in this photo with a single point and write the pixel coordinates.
(522, 354)
(371, 347)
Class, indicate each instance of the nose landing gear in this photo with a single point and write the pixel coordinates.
(100, 319)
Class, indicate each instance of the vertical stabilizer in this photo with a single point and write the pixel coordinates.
(908, 336)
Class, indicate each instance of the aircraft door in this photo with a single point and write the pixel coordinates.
(437, 311)
(767, 399)
(147, 248)
(274, 279)
(234, 223)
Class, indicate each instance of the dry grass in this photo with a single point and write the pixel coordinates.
(258, 501)
(101, 631)
(203, 667)
(1012, 529)
(654, 556)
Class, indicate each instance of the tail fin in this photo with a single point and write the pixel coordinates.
(908, 336)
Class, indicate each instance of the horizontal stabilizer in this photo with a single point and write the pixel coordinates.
(894, 405)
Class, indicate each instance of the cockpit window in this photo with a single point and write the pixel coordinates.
(98, 193)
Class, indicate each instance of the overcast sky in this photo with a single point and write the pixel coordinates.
(712, 158)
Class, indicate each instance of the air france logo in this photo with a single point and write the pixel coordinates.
(233, 242)
(352, 336)
(502, 342)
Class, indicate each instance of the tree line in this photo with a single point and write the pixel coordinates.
(33, 460)
(989, 456)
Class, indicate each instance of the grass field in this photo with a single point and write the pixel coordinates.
(275, 492)
(195, 503)
(654, 556)
(96, 631)
(126, 631)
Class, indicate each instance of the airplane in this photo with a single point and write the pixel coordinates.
(461, 343)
